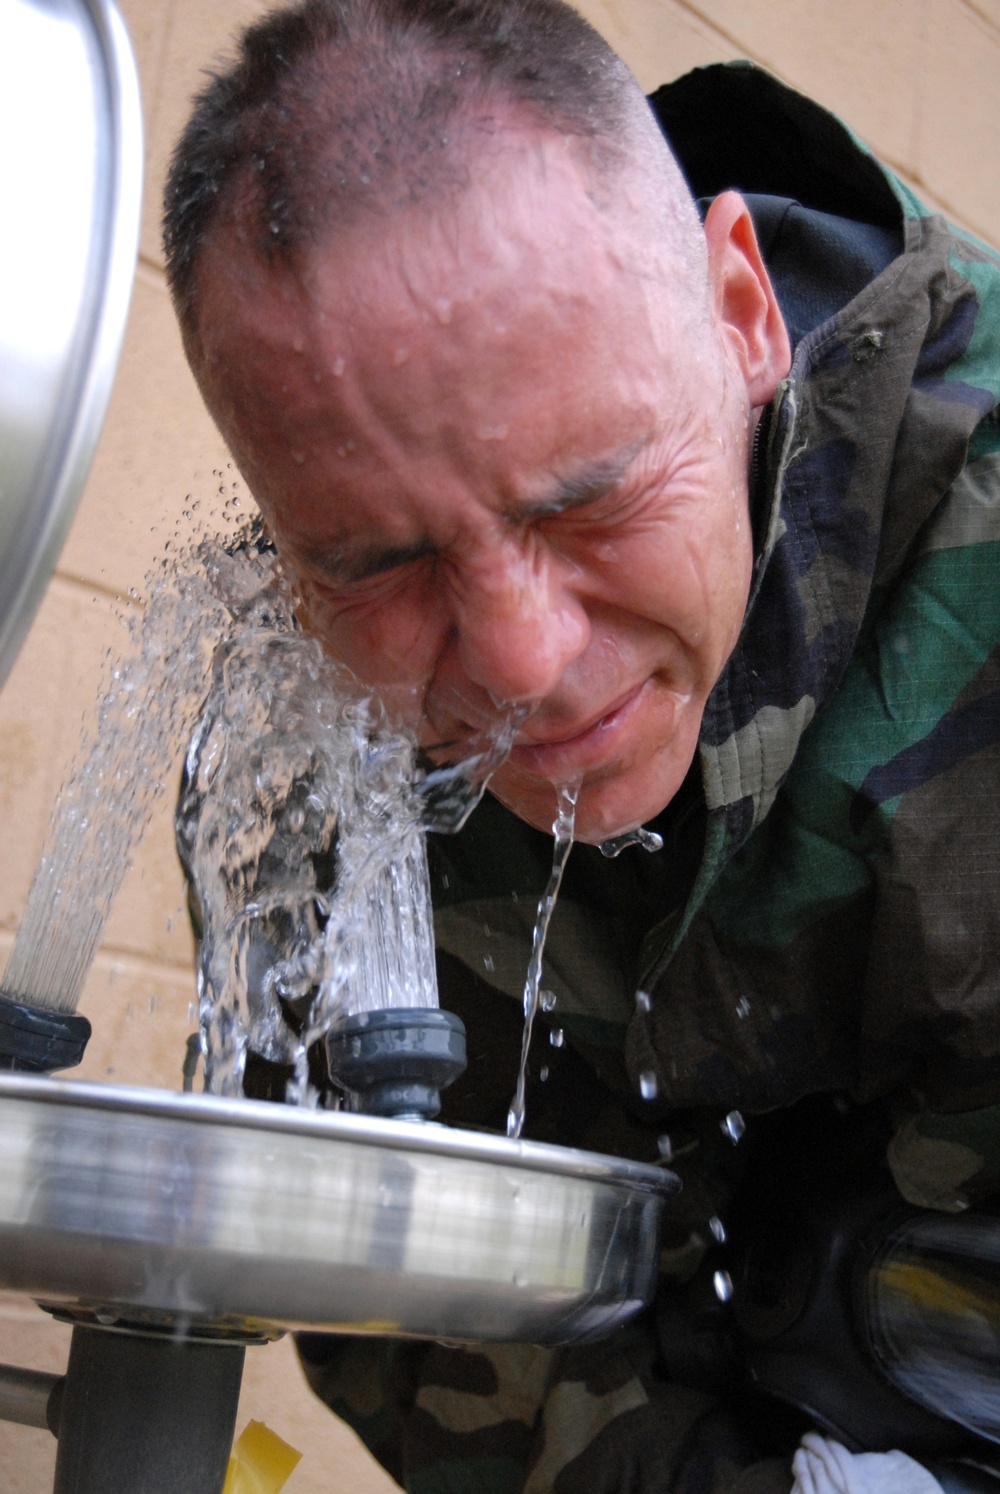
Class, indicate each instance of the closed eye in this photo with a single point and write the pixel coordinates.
(372, 583)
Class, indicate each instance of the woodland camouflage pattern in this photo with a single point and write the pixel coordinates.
(824, 917)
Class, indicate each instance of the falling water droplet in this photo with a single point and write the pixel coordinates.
(548, 1001)
(648, 1086)
(643, 1001)
(742, 1008)
(557, 1037)
(488, 964)
(722, 1286)
(717, 1230)
(665, 1147)
(543, 1074)
(734, 1126)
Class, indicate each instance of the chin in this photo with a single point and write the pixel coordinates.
(606, 807)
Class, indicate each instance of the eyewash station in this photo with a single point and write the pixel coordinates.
(175, 1230)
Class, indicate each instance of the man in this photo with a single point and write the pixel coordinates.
(531, 439)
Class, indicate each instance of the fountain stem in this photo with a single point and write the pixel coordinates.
(154, 1413)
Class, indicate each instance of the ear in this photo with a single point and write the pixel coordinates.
(743, 299)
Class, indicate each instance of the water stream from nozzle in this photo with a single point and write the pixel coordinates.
(562, 832)
(147, 706)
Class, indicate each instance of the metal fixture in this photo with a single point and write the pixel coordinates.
(139, 1410)
(249, 1215)
(71, 178)
(30, 1397)
(71, 171)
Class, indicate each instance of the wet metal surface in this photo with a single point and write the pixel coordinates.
(244, 1213)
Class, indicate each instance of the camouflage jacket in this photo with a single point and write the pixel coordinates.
(825, 915)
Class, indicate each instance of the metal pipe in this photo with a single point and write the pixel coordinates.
(154, 1414)
(25, 1396)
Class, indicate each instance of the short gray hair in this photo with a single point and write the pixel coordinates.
(334, 108)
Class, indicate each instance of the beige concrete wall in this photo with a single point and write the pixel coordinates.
(917, 78)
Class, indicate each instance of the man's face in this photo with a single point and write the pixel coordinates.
(508, 466)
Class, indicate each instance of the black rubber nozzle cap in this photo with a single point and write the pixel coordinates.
(396, 1062)
(37, 1040)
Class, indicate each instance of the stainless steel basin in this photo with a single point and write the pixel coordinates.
(70, 185)
(148, 1205)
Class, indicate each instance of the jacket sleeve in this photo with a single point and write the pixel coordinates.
(520, 1419)
(947, 1162)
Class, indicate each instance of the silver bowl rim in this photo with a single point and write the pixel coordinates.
(423, 1137)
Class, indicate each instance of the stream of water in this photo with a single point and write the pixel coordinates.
(562, 833)
(126, 760)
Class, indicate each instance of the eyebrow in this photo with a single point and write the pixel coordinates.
(593, 481)
(360, 564)
(589, 483)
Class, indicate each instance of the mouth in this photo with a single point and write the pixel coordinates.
(583, 750)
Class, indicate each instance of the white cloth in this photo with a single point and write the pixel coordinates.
(822, 1466)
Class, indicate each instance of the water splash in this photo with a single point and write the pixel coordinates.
(124, 763)
(302, 827)
(649, 840)
(301, 822)
(562, 831)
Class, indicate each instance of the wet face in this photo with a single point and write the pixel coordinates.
(506, 458)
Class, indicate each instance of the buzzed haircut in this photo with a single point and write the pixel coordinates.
(334, 108)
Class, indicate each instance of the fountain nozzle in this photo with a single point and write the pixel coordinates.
(39, 1039)
(396, 1061)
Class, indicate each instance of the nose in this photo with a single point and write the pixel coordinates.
(518, 623)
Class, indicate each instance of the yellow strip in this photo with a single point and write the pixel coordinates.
(261, 1462)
